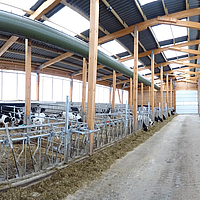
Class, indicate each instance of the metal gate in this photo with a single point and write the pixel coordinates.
(187, 102)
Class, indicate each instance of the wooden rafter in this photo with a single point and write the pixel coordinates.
(55, 60)
(152, 22)
(159, 50)
(81, 71)
(108, 77)
(44, 8)
(8, 43)
(171, 62)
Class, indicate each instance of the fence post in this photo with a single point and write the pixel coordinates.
(66, 145)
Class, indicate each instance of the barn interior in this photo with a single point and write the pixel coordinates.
(78, 76)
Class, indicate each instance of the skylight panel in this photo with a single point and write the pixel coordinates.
(145, 71)
(143, 2)
(16, 6)
(171, 53)
(130, 63)
(113, 47)
(162, 32)
(104, 50)
(175, 65)
(24, 3)
(69, 19)
(11, 9)
(179, 31)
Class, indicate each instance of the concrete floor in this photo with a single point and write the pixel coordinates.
(167, 166)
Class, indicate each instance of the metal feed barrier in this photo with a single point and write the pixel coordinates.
(34, 148)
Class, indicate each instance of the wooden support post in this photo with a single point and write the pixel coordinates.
(92, 71)
(37, 85)
(135, 78)
(122, 96)
(161, 90)
(152, 84)
(84, 79)
(71, 89)
(155, 98)
(167, 93)
(28, 79)
(110, 93)
(171, 93)
(174, 96)
(119, 96)
(131, 93)
(142, 93)
(199, 95)
(149, 94)
(114, 88)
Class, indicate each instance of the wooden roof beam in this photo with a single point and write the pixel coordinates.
(159, 50)
(152, 22)
(171, 62)
(55, 60)
(81, 71)
(8, 44)
(108, 77)
(44, 8)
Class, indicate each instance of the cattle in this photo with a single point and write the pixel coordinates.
(4, 119)
(160, 119)
(164, 117)
(156, 119)
(72, 116)
(145, 128)
(151, 122)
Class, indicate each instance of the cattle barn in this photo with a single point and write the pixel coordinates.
(99, 99)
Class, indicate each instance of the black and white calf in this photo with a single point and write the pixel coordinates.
(71, 116)
(4, 119)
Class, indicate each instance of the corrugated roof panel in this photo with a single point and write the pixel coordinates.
(159, 58)
(175, 5)
(108, 20)
(166, 68)
(146, 60)
(153, 9)
(54, 10)
(194, 3)
(127, 11)
(147, 39)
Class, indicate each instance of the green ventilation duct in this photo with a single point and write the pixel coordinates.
(31, 29)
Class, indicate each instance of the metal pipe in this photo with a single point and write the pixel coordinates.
(37, 30)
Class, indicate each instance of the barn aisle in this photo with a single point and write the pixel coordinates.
(165, 167)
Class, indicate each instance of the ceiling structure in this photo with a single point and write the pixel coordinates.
(174, 37)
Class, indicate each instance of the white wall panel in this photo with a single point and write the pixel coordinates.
(187, 102)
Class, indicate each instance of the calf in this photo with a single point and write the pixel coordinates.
(4, 119)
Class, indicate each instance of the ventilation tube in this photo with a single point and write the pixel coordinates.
(31, 29)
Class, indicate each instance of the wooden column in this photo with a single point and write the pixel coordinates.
(119, 96)
(142, 93)
(92, 71)
(110, 93)
(155, 98)
(37, 85)
(71, 89)
(149, 94)
(161, 90)
(135, 78)
(167, 92)
(199, 95)
(28, 78)
(131, 93)
(152, 84)
(122, 96)
(114, 88)
(174, 96)
(84, 79)
(171, 93)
